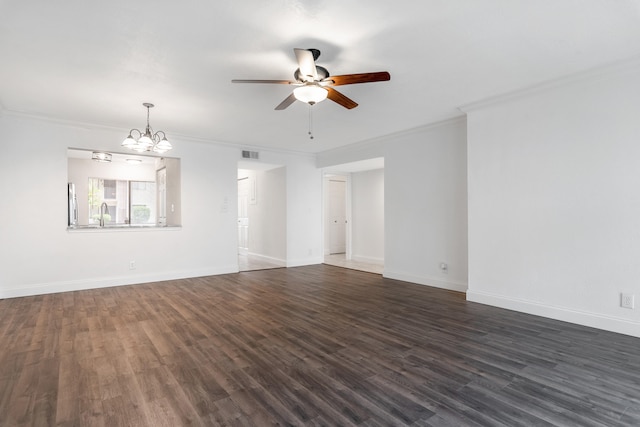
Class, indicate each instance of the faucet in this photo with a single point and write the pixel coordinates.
(102, 212)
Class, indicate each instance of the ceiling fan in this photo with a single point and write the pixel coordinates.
(314, 84)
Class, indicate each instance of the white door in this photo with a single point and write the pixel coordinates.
(337, 217)
(243, 216)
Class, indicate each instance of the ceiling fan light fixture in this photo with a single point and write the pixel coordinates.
(311, 94)
(315, 84)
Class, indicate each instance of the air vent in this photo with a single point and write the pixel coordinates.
(250, 154)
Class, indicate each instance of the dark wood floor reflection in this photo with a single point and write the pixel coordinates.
(316, 345)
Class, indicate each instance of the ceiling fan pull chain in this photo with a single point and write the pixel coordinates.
(310, 121)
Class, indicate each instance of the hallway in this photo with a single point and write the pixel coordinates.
(339, 260)
(253, 262)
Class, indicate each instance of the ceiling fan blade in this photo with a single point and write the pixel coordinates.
(349, 79)
(287, 101)
(336, 96)
(307, 64)
(281, 82)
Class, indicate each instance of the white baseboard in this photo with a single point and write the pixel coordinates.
(304, 261)
(584, 318)
(291, 262)
(95, 283)
(436, 283)
(269, 258)
(367, 259)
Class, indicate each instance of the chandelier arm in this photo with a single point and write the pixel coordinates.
(159, 136)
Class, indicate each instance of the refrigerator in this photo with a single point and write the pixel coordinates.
(73, 205)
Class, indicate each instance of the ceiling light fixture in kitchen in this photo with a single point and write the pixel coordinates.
(149, 140)
(100, 156)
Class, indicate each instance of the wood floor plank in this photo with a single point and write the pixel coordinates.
(305, 346)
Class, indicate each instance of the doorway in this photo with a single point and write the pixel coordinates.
(243, 215)
(337, 215)
(354, 215)
(262, 219)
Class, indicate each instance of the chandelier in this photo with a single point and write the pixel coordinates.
(149, 140)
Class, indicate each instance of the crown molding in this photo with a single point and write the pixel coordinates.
(451, 119)
(174, 136)
(448, 121)
(241, 146)
(601, 72)
(61, 122)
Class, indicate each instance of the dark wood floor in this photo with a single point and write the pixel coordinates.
(316, 345)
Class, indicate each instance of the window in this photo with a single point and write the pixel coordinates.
(143, 202)
(137, 190)
(127, 202)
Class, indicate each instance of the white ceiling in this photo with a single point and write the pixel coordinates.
(359, 166)
(96, 62)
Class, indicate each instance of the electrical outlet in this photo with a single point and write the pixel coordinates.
(627, 301)
(444, 267)
(132, 265)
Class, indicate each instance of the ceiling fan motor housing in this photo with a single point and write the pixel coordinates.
(322, 72)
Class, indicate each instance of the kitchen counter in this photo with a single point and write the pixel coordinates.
(120, 227)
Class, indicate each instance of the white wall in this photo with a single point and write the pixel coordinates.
(367, 216)
(304, 204)
(173, 192)
(268, 214)
(272, 201)
(554, 201)
(425, 201)
(39, 254)
(426, 206)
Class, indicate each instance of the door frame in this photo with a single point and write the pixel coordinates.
(247, 181)
(346, 177)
